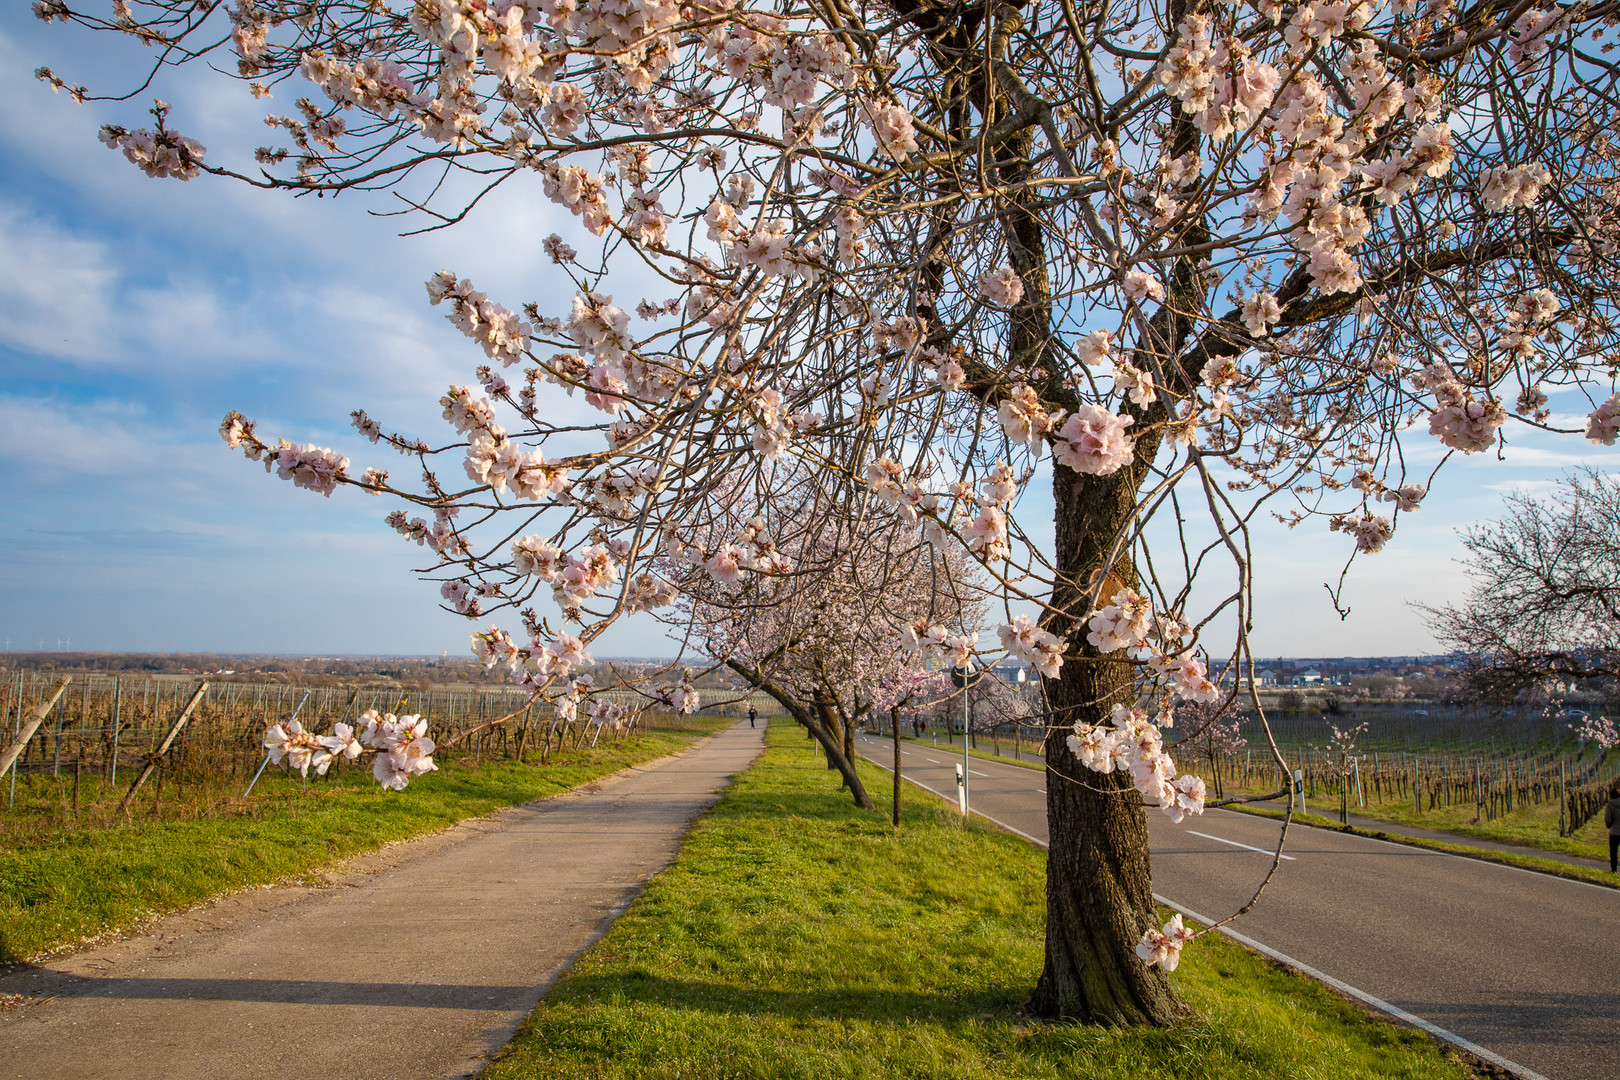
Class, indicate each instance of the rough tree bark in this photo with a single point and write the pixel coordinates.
(1099, 885)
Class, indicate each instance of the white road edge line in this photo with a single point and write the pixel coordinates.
(949, 798)
(1361, 995)
(1304, 969)
(1234, 843)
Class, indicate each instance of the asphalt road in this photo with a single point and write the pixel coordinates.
(1523, 964)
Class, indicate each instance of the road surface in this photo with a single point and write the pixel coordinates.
(1523, 964)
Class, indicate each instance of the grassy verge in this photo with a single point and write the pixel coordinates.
(1529, 826)
(1596, 876)
(797, 937)
(60, 889)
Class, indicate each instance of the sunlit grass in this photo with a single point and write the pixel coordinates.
(798, 937)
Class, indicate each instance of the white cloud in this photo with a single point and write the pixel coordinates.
(54, 290)
(51, 439)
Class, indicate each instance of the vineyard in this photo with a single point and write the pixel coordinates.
(1427, 763)
(112, 747)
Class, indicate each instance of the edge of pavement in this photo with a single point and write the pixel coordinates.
(1530, 860)
(1519, 856)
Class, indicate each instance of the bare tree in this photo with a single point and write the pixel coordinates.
(1543, 602)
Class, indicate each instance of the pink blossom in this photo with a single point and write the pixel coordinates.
(1121, 624)
(1140, 286)
(1162, 948)
(1603, 424)
(1002, 286)
(1095, 348)
(1509, 187)
(891, 127)
(1260, 312)
(1093, 441)
(1024, 419)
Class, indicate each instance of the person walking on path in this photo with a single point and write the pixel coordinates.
(753, 714)
(1611, 818)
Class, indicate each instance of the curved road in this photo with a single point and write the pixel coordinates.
(1523, 964)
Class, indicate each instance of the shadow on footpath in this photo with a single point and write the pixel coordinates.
(271, 991)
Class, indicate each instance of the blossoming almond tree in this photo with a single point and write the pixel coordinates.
(824, 638)
(1213, 256)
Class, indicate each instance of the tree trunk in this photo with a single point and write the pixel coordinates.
(807, 717)
(1099, 888)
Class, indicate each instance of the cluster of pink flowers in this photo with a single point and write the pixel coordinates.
(891, 127)
(583, 193)
(1123, 623)
(501, 463)
(683, 697)
(1134, 744)
(1460, 420)
(303, 750)
(1510, 187)
(935, 642)
(649, 591)
(402, 747)
(1040, 648)
(1371, 531)
(1408, 498)
(1024, 419)
(501, 333)
(1162, 948)
(752, 550)
(1599, 730)
(1260, 312)
(1184, 675)
(377, 86)
(317, 468)
(1002, 286)
(1140, 286)
(1603, 424)
(1218, 84)
(400, 743)
(1093, 441)
(987, 533)
(160, 154)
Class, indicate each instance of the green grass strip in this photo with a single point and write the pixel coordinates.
(68, 887)
(797, 937)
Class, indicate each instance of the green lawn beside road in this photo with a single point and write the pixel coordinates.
(798, 937)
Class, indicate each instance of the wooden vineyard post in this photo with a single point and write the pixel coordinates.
(168, 741)
(112, 780)
(41, 711)
(1563, 798)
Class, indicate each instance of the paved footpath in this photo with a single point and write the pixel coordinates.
(418, 961)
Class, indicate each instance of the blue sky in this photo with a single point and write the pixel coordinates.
(135, 312)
